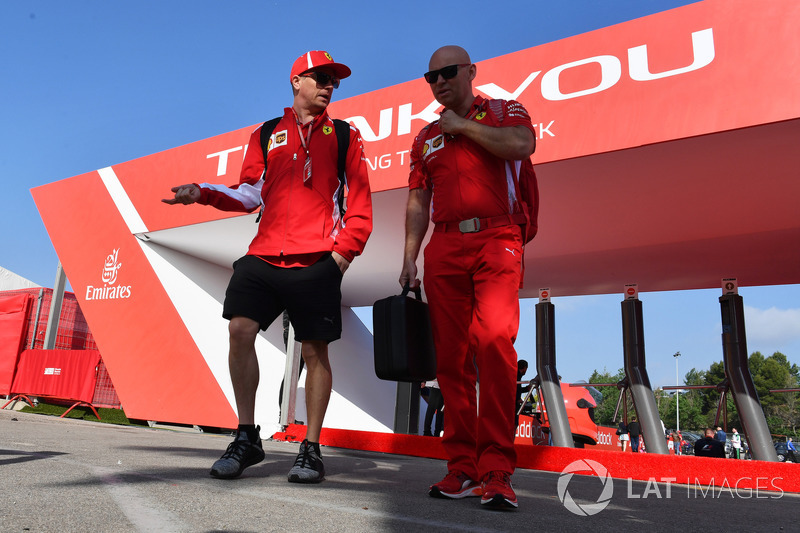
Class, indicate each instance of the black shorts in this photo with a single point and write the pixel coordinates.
(312, 296)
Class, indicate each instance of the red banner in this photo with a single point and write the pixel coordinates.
(63, 374)
(13, 315)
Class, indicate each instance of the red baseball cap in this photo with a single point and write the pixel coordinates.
(315, 59)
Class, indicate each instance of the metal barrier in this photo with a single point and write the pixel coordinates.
(73, 334)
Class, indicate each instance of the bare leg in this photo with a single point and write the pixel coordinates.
(318, 385)
(243, 365)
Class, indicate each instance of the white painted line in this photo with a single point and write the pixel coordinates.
(126, 208)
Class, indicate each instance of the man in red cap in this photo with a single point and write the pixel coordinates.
(467, 165)
(305, 242)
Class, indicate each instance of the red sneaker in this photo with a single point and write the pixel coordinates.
(455, 485)
(497, 491)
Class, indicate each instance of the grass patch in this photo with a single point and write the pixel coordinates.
(82, 412)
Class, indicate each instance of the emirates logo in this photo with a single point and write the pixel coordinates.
(111, 268)
(109, 276)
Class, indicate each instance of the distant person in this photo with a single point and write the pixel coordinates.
(303, 244)
(435, 409)
(635, 432)
(736, 442)
(676, 442)
(624, 438)
(709, 445)
(522, 369)
(720, 435)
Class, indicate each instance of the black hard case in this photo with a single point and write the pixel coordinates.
(403, 340)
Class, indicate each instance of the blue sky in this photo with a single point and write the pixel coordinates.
(88, 84)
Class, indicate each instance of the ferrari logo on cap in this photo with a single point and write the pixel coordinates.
(328, 56)
(327, 130)
(480, 115)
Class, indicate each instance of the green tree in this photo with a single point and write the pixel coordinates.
(698, 407)
(773, 372)
(690, 404)
(693, 400)
(780, 408)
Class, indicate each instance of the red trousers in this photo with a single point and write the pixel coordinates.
(472, 284)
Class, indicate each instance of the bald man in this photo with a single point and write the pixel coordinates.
(471, 158)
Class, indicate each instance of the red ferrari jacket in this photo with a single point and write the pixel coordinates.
(301, 216)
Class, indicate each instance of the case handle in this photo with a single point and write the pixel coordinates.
(417, 290)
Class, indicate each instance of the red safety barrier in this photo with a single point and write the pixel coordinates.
(728, 474)
(13, 317)
(105, 395)
(68, 375)
(72, 334)
(73, 331)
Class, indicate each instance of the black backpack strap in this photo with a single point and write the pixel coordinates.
(342, 128)
(266, 132)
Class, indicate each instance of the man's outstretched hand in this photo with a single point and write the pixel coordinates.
(184, 194)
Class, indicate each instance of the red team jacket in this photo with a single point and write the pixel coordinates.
(300, 217)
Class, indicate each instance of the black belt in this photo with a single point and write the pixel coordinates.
(474, 225)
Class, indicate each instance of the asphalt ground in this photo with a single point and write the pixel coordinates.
(65, 475)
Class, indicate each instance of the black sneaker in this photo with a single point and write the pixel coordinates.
(240, 454)
(308, 467)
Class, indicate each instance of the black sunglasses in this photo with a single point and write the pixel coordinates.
(322, 78)
(449, 72)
